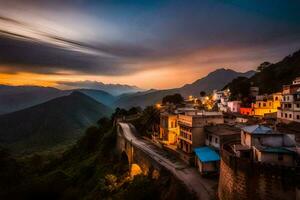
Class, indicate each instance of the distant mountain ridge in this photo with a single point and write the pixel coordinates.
(114, 89)
(13, 98)
(214, 80)
(54, 122)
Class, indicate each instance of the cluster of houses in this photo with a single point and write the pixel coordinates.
(198, 136)
(285, 105)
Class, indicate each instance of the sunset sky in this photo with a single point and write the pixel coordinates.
(150, 44)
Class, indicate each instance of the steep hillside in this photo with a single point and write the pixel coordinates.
(13, 98)
(99, 95)
(142, 99)
(54, 122)
(271, 78)
(214, 80)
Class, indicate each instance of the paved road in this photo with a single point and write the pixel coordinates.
(202, 187)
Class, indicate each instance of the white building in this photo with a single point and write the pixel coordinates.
(234, 106)
(290, 106)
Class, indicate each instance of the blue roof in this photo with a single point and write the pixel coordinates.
(206, 154)
(257, 129)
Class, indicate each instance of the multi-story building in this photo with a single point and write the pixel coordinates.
(266, 104)
(191, 128)
(169, 129)
(290, 106)
(262, 144)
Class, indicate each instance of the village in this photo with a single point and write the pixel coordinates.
(244, 144)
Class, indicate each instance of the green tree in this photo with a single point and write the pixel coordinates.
(149, 121)
(202, 93)
(263, 66)
(174, 98)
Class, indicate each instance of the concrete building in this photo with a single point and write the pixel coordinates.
(289, 110)
(191, 128)
(266, 104)
(168, 131)
(262, 144)
(207, 160)
(234, 106)
(217, 135)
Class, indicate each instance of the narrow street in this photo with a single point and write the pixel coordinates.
(203, 188)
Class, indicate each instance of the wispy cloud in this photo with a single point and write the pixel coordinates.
(126, 38)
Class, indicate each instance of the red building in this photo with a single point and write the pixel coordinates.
(246, 111)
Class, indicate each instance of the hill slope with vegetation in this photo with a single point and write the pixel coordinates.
(270, 77)
(14, 98)
(90, 170)
(52, 123)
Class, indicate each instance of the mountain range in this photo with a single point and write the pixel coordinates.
(214, 80)
(55, 122)
(14, 98)
(114, 89)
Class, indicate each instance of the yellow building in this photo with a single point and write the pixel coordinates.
(168, 128)
(266, 104)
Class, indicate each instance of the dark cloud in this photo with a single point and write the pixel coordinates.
(150, 31)
(39, 57)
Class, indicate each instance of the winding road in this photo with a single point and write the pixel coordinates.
(203, 188)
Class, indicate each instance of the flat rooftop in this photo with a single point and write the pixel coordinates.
(223, 129)
(204, 113)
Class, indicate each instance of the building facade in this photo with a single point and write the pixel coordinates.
(266, 104)
(191, 129)
(289, 110)
(234, 106)
(169, 129)
(262, 144)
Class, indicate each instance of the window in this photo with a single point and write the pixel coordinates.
(210, 138)
(298, 116)
(290, 115)
(264, 104)
(281, 114)
(216, 140)
(298, 105)
(285, 115)
(280, 157)
(259, 104)
(276, 98)
(270, 103)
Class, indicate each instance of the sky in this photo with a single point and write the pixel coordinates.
(150, 44)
